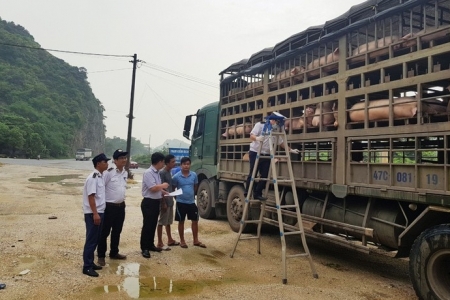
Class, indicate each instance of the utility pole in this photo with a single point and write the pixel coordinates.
(149, 148)
(130, 114)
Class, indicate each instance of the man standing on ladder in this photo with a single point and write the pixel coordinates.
(257, 137)
(263, 133)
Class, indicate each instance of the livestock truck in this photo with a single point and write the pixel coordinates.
(366, 96)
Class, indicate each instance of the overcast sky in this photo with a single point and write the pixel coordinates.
(196, 39)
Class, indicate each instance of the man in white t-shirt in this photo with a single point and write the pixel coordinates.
(93, 208)
(264, 164)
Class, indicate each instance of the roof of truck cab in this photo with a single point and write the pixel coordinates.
(212, 105)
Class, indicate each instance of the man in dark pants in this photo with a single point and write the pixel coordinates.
(257, 137)
(115, 186)
(152, 191)
(93, 208)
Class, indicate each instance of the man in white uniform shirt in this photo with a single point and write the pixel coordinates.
(115, 185)
(152, 192)
(93, 209)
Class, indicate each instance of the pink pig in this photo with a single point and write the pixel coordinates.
(324, 60)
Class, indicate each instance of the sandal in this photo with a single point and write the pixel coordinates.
(200, 244)
(183, 245)
(174, 243)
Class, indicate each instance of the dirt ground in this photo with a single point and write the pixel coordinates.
(49, 251)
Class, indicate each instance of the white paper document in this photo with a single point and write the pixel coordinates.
(175, 193)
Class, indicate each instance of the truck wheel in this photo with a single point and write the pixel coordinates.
(429, 263)
(204, 201)
(235, 208)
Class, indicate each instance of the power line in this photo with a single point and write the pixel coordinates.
(181, 75)
(162, 106)
(150, 66)
(178, 84)
(64, 51)
(103, 71)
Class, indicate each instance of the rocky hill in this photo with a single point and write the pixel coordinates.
(47, 107)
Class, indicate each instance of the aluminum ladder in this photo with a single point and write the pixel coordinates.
(273, 134)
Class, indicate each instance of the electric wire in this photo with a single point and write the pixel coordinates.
(64, 51)
(181, 85)
(104, 71)
(142, 63)
(158, 98)
(181, 75)
(142, 96)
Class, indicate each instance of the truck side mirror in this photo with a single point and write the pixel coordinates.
(187, 126)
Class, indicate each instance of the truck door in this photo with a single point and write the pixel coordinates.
(197, 141)
(204, 138)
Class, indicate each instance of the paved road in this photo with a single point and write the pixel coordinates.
(57, 163)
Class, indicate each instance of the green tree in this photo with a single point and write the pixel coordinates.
(46, 104)
(14, 139)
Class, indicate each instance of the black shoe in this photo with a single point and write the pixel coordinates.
(145, 253)
(118, 256)
(90, 272)
(101, 261)
(95, 267)
(155, 249)
(260, 198)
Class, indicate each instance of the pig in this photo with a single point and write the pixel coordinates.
(410, 40)
(323, 114)
(335, 114)
(309, 114)
(282, 75)
(239, 129)
(246, 157)
(229, 132)
(242, 129)
(324, 60)
(299, 122)
(375, 45)
(253, 85)
(288, 73)
(295, 123)
(235, 91)
(379, 109)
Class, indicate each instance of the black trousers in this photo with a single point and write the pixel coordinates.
(262, 168)
(150, 214)
(112, 223)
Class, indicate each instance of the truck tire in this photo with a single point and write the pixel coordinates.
(205, 200)
(429, 263)
(235, 208)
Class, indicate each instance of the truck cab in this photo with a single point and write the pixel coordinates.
(203, 154)
(83, 154)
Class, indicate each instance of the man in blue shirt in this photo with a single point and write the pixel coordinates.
(188, 182)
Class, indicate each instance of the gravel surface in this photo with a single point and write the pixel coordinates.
(49, 251)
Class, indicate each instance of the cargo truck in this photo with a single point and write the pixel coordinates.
(83, 154)
(367, 101)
